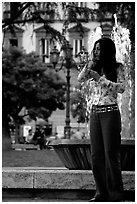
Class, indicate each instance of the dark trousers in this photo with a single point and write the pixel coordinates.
(105, 137)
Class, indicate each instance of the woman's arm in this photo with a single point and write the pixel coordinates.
(118, 86)
(88, 73)
(82, 74)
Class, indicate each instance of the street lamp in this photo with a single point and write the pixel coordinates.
(54, 56)
(83, 57)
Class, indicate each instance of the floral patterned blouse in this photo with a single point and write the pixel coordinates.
(103, 92)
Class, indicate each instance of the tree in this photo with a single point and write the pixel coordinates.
(78, 105)
(27, 82)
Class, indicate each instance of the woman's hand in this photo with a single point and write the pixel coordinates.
(94, 75)
(83, 73)
(87, 72)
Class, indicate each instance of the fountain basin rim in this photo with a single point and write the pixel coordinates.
(58, 142)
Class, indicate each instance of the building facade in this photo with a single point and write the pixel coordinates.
(32, 36)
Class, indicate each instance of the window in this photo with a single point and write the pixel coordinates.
(77, 40)
(44, 49)
(6, 10)
(81, 16)
(10, 9)
(14, 8)
(77, 46)
(81, 4)
(13, 42)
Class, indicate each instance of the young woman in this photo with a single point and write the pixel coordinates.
(107, 80)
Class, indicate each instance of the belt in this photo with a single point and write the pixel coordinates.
(103, 109)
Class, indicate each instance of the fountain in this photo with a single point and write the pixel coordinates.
(75, 154)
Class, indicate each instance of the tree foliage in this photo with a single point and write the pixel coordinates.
(42, 12)
(78, 105)
(27, 82)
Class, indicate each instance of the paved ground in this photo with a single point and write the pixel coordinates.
(52, 197)
(39, 200)
(42, 200)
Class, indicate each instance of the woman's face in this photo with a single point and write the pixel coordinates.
(97, 51)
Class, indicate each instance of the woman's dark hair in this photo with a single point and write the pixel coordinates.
(107, 60)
